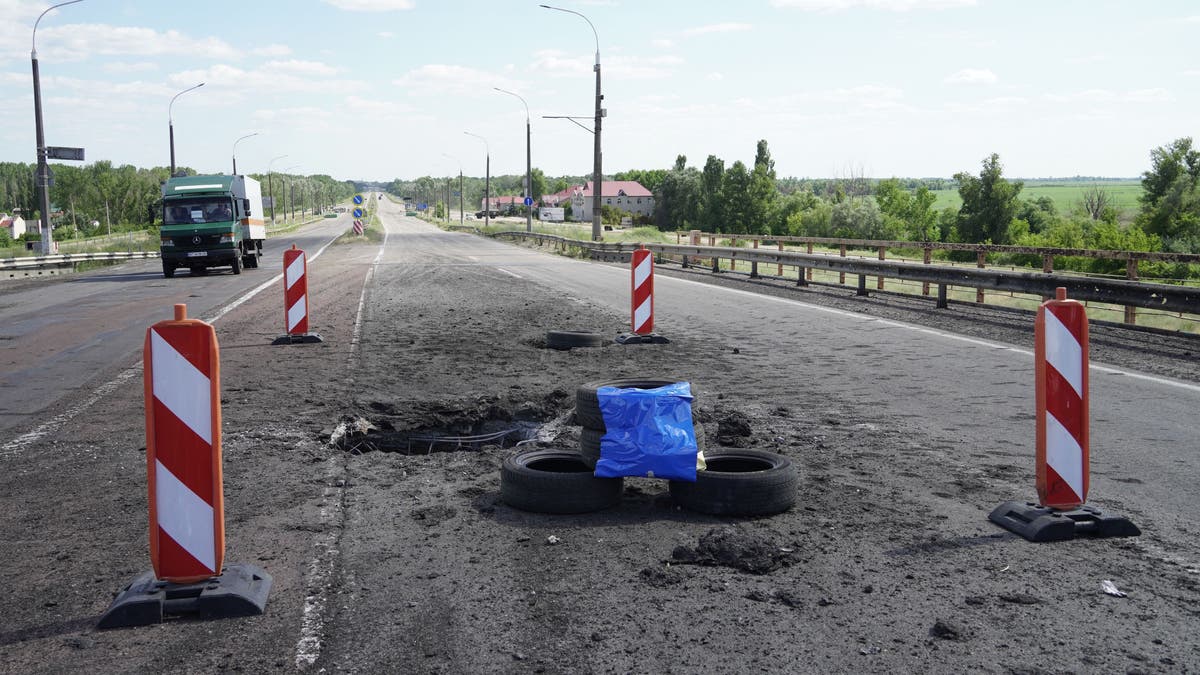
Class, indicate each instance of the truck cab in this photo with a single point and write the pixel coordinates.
(211, 221)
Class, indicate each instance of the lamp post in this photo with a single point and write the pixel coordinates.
(43, 168)
(598, 177)
(528, 161)
(487, 181)
(171, 122)
(235, 144)
(270, 186)
(291, 189)
(461, 215)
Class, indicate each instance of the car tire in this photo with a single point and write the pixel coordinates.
(236, 265)
(589, 443)
(555, 481)
(569, 339)
(168, 269)
(740, 483)
(587, 402)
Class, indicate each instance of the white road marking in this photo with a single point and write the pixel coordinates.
(321, 567)
(20, 443)
(511, 274)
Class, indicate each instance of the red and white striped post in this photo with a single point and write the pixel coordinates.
(642, 286)
(183, 449)
(1061, 366)
(295, 291)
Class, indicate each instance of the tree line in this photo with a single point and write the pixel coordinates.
(100, 198)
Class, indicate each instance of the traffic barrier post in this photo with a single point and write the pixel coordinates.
(184, 480)
(1062, 455)
(295, 299)
(641, 287)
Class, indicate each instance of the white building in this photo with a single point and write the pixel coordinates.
(626, 195)
(14, 225)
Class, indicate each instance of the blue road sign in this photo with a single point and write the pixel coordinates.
(422, 206)
(358, 213)
(358, 199)
(529, 201)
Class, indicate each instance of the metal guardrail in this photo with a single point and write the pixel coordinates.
(69, 259)
(1116, 291)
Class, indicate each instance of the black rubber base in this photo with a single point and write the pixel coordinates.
(306, 338)
(241, 590)
(1041, 523)
(635, 339)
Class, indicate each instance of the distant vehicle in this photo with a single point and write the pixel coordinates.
(211, 221)
(491, 214)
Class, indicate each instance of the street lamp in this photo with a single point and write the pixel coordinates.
(598, 177)
(461, 216)
(270, 186)
(43, 168)
(171, 122)
(487, 182)
(528, 162)
(291, 189)
(235, 144)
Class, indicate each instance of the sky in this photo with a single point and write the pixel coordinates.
(382, 89)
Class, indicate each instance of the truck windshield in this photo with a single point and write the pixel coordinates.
(198, 210)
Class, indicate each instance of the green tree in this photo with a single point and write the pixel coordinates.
(1170, 200)
(735, 188)
(989, 203)
(713, 208)
(677, 200)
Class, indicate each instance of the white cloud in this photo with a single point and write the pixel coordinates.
(663, 43)
(1149, 96)
(444, 78)
(80, 41)
(272, 51)
(386, 34)
(120, 67)
(1007, 100)
(718, 28)
(716, 77)
(554, 63)
(371, 5)
(971, 76)
(305, 68)
(887, 5)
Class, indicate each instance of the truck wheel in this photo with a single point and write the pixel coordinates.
(168, 269)
(237, 264)
(251, 261)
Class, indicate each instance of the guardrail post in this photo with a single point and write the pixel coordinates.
(1131, 272)
(1048, 263)
(842, 275)
(684, 263)
(754, 264)
(780, 264)
(879, 279)
(928, 261)
(716, 267)
(941, 301)
(980, 259)
(808, 270)
(862, 285)
(732, 259)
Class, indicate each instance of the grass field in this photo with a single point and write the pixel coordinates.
(1066, 195)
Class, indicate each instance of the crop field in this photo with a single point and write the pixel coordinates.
(1067, 195)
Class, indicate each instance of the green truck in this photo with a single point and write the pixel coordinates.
(211, 221)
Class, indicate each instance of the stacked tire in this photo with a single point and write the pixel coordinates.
(735, 482)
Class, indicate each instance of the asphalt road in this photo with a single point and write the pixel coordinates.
(904, 434)
(66, 334)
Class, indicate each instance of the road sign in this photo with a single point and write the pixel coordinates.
(529, 201)
(358, 227)
(358, 199)
(75, 154)
(358, 213)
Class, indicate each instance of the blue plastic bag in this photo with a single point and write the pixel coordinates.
(648, 433)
